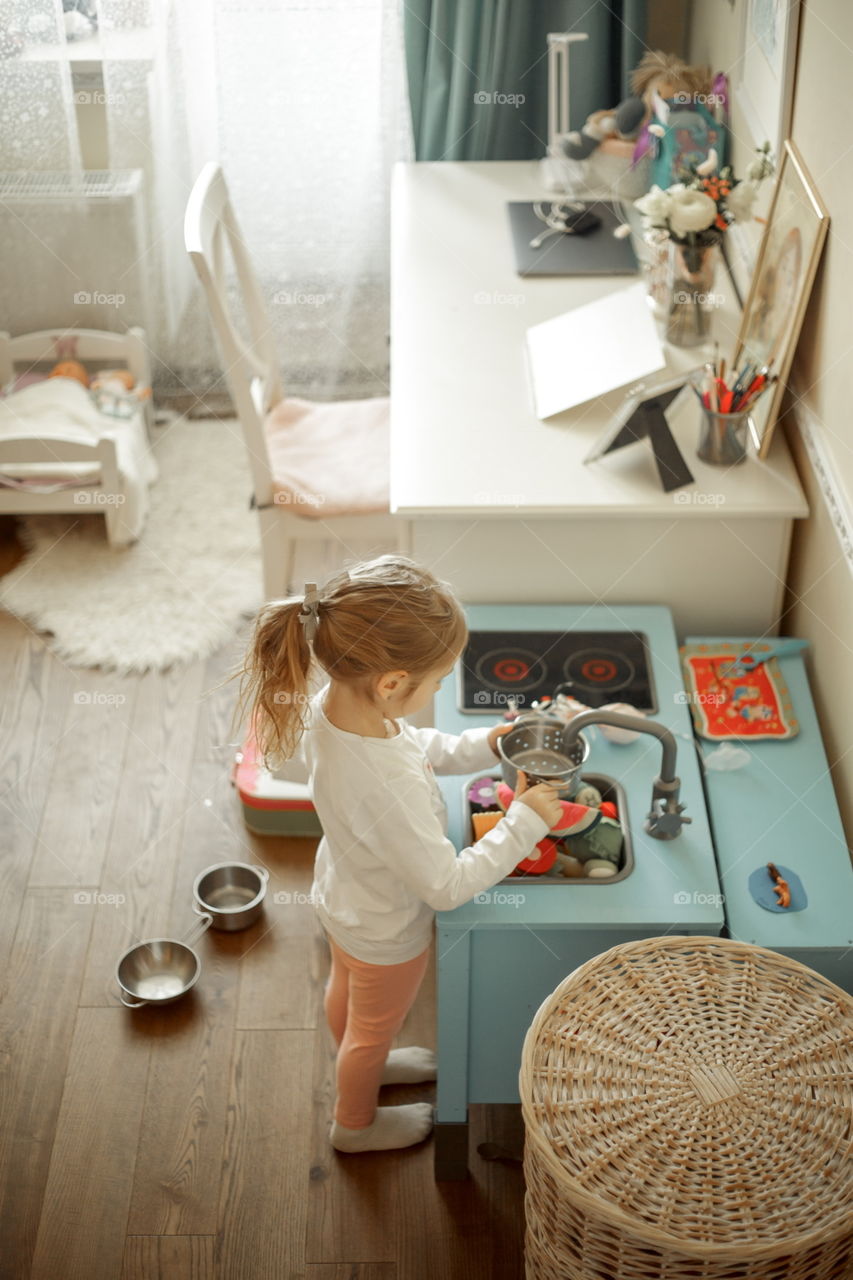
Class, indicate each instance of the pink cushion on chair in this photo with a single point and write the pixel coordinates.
(330, 459)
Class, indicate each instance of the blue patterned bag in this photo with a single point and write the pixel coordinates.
(690, 133)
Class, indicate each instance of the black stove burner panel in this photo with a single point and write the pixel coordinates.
(596, 667)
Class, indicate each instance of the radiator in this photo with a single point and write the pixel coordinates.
(73, 251)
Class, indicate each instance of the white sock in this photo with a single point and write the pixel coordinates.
(411, 1065)
(392, 1127)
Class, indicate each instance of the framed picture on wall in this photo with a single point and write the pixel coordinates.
(779, 292)
(765, 85)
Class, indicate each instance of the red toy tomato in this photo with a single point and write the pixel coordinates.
(540, 861)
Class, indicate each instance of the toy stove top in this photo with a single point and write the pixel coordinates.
(595, 667)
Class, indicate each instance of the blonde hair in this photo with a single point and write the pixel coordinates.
(656, 65)
(387, 614)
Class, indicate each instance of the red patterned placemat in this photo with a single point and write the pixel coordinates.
(724, 705)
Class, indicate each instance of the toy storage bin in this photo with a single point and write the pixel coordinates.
(271, 806)
(687, 1106)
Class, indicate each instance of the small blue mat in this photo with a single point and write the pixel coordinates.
(761, 887)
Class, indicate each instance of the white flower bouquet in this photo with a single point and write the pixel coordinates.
(697, 212)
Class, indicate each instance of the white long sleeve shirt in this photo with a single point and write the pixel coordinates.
(385, 865)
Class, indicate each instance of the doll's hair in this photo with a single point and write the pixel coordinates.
(382, 615)
(655, 64)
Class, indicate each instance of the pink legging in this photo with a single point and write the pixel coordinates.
(366, 1005)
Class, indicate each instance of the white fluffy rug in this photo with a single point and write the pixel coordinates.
(177, 594)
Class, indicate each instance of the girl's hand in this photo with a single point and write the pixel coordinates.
(542, 799)
(498, 731)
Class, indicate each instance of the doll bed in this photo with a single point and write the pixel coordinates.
(58, 451)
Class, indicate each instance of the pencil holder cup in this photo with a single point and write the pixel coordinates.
(722, 437)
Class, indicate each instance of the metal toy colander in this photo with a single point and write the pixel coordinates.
(537, 745)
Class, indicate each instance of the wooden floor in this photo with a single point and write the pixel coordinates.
(188, 1142)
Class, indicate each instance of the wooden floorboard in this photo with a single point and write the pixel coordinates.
(188, 1142)
(36, 697)
(262, 1203)
(37, 1020)
(168, 1258)
(352, 1271)
(83, 1222)
(85, 781)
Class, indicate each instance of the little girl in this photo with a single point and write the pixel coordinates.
(386, 632)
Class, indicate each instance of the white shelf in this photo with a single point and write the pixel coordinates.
(131, 45)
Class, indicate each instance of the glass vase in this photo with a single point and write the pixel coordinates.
(655, 266)
(690, 293)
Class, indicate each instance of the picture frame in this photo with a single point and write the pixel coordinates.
(636, 395)
(644, 414)
(765, 85)
(781, 285)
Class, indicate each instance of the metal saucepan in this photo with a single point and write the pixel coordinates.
(161, 969)
(232, 893)
(537, 746)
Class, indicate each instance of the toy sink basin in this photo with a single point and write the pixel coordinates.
(610, 790)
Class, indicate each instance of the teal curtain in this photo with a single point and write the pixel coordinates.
(478, 70)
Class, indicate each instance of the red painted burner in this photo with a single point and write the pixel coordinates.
(511, 669)
(508, 668)
(598, 669)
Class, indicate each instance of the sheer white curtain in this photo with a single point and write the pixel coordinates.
(38, 125)
(303, 102)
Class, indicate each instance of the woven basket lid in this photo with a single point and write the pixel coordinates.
(697, 1093)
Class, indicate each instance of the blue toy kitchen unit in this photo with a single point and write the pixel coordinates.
(499, 956)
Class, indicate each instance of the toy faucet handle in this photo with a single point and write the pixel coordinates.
(666, 824)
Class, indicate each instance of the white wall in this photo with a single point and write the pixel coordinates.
(820, 579)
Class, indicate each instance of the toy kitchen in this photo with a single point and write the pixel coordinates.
(724, 805)
(719, 818)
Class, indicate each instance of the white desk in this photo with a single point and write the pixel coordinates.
(501, 503)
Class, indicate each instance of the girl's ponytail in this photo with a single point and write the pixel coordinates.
(386, 614)
(274, 684)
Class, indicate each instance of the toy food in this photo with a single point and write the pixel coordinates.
(482, 792)
(588, 794)
(570, 867)
(591, 837)
(540, 861)
(483, 822)
(781, 887)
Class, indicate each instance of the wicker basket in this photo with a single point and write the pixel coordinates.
(687, 1105)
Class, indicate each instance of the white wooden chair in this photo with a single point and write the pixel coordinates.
(95, 465)
(318, 470)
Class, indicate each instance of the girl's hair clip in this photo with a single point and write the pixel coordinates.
(309, 614)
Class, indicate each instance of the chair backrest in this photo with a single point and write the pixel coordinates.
(210, 235)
